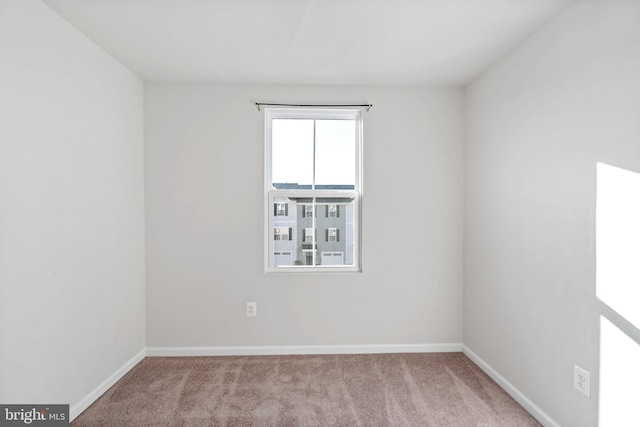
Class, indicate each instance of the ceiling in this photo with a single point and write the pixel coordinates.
(382, 42)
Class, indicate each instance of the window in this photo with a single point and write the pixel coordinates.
(281, 209)
(313, 172)
(282, 233)
(308, 235)
(308, 211)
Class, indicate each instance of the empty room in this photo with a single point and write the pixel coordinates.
(320, 212)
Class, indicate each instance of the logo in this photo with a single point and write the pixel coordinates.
(34, 415)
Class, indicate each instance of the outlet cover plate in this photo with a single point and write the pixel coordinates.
(582, 380)
(252, 309)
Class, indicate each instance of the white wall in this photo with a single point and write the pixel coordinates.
(71, 209)
(204, 203)
(537, 123)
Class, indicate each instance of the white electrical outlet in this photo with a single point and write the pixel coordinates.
(582, 380)
(252, 309)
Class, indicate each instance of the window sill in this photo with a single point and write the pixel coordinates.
(312, 270)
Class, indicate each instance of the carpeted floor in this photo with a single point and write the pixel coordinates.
(433, 389)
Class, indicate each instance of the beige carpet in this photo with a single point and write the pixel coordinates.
(435, 389)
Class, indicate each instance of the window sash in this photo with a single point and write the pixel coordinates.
(313, 114)
(354, 198)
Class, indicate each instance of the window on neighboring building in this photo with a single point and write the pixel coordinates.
(282, 233)
(281, 209)
(332, 234)
(313, 159)
(308, 235)
(308, 211)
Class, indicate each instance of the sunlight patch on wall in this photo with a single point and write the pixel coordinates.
(619, 376)
(618, 241)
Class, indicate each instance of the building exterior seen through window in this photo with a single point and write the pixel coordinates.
(296, 239)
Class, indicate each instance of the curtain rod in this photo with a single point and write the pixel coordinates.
(269, 104)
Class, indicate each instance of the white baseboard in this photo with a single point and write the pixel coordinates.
(303, 349)
(542, 417)
(79, 407)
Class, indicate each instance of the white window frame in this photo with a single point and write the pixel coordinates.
(332, 211)
(271, 193)
(332, 232)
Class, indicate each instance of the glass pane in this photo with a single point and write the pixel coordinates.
(309, 236)
(336, 153)
(291, 152)
(334, 225)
